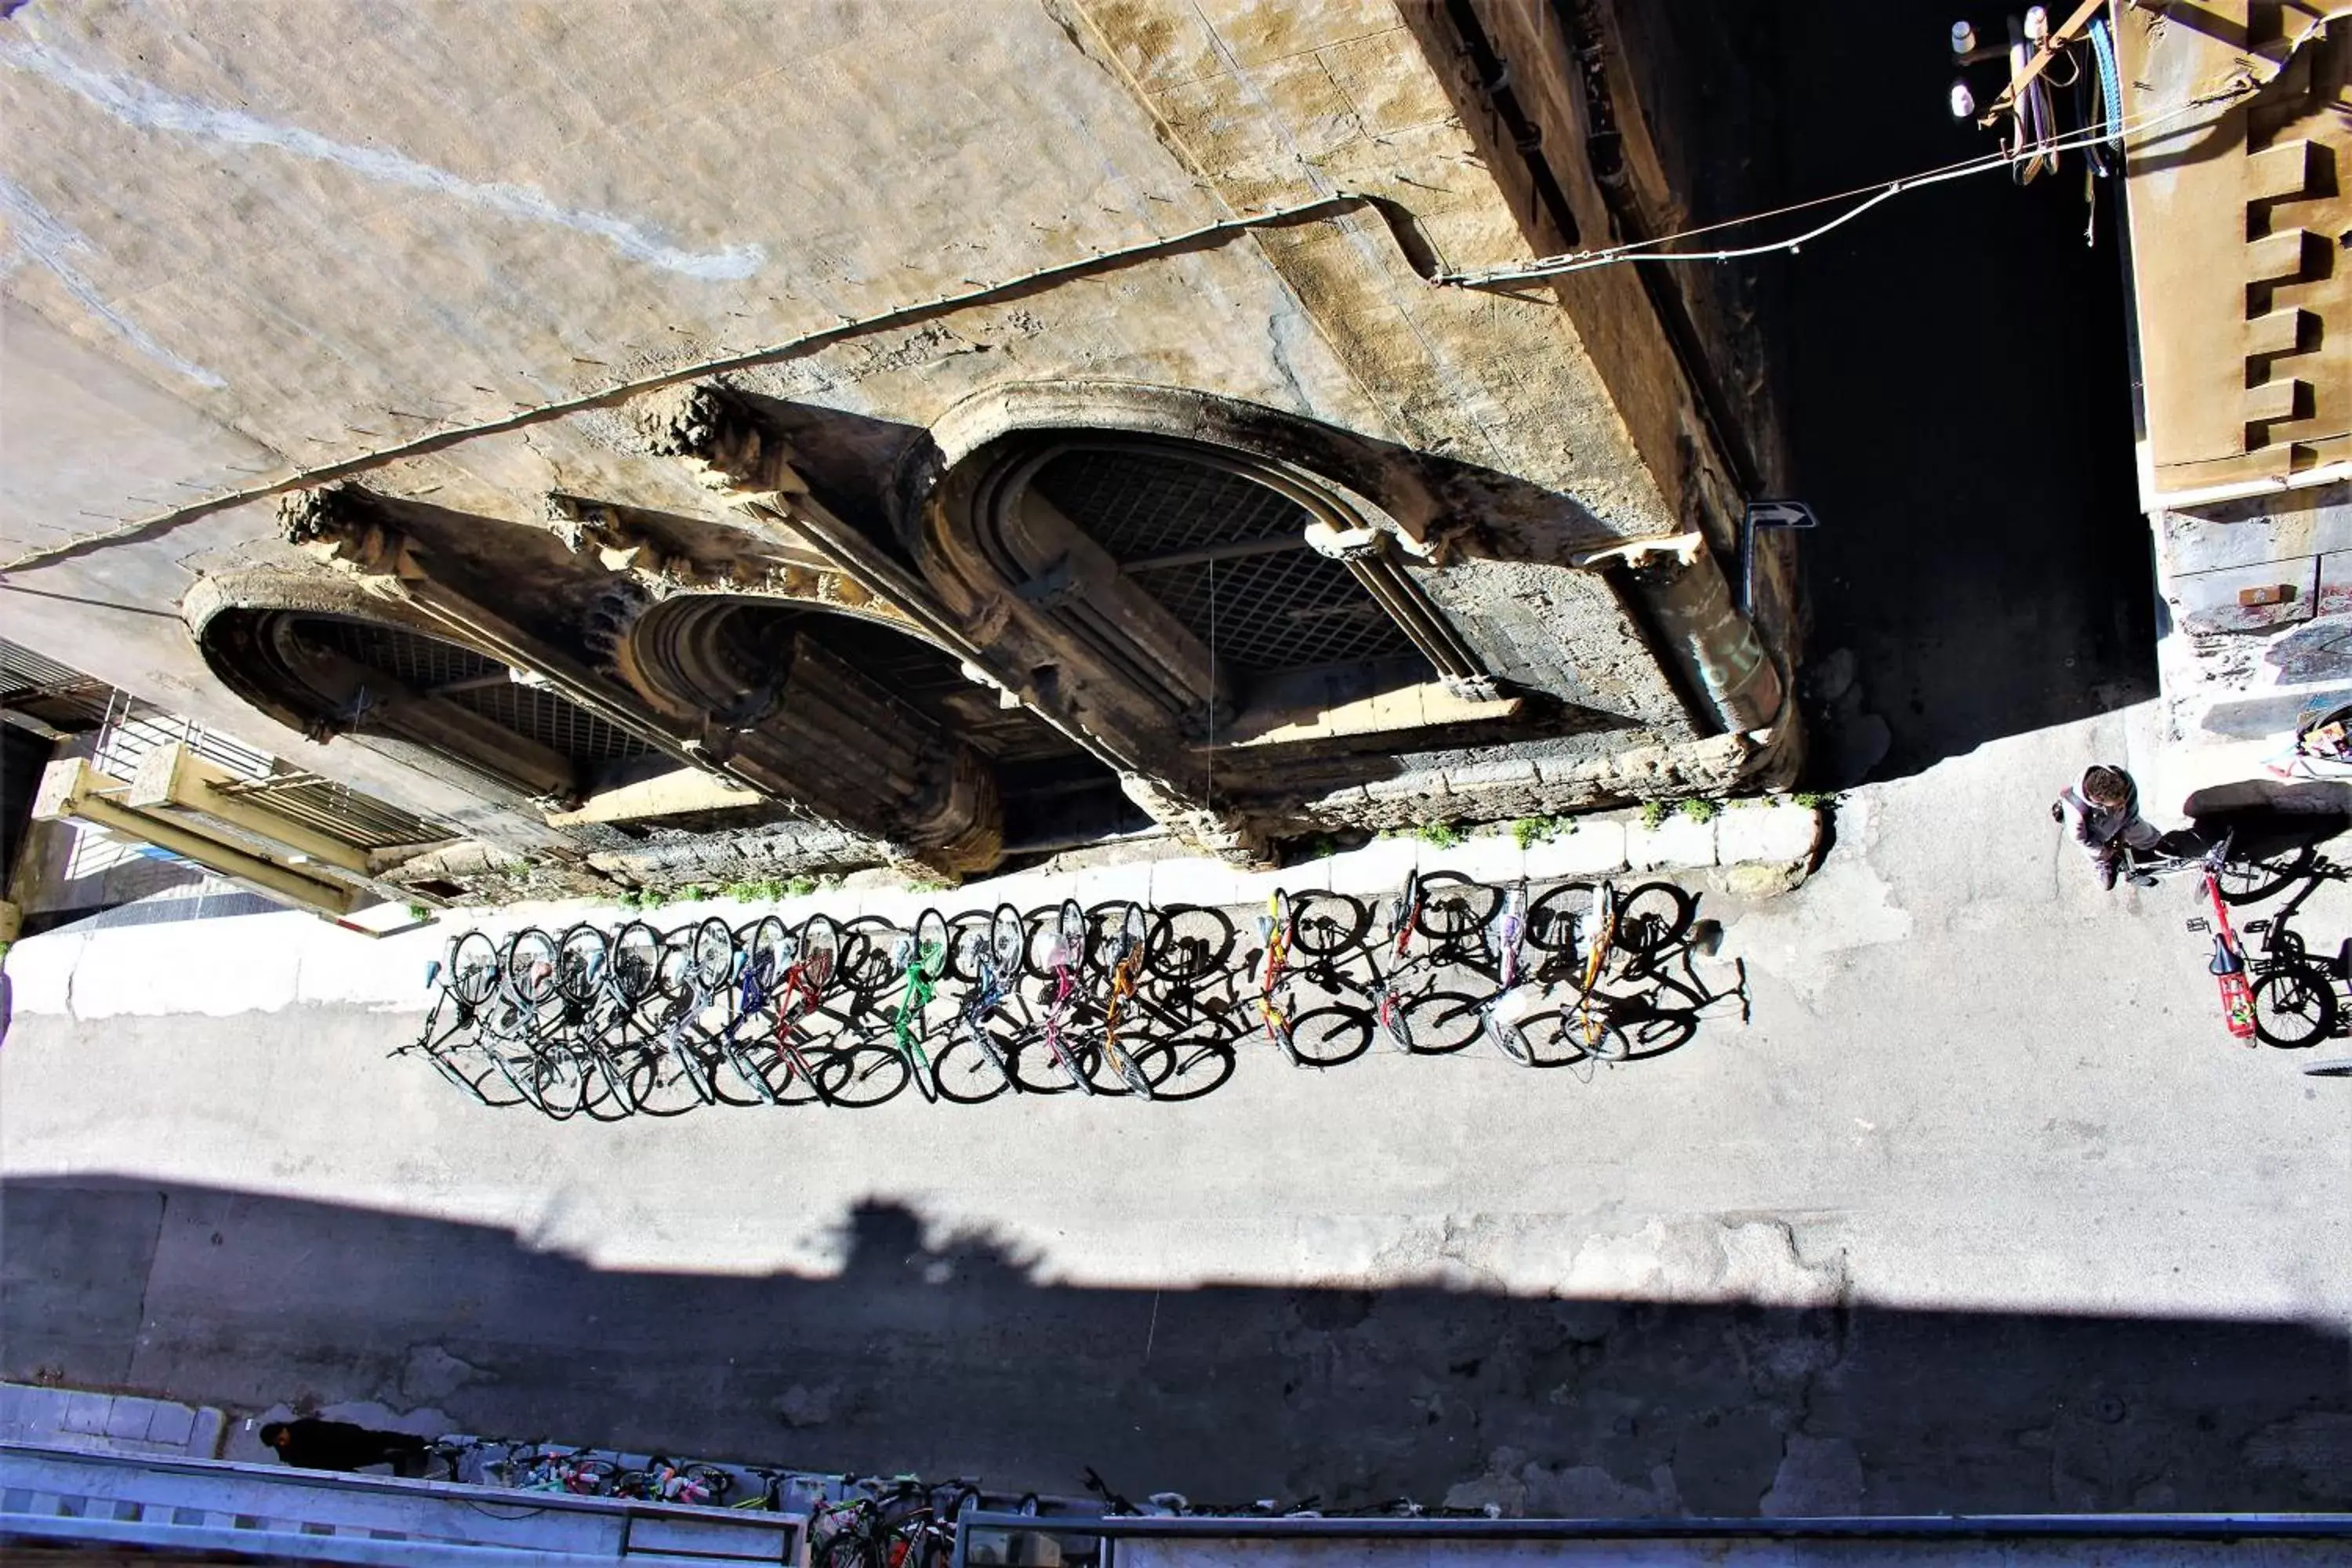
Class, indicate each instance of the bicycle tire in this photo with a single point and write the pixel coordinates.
(1453, 907)
(580, 963)
(2295, 1005)
(1440, 1023)
(1038, 1069)
(1329, 1037)
(1120, 1072)
(1189, 943)
(474, 968)
(965, 1074)
(1552, 918)
(2334, 1067)
(1183, 1071)
(767, 944)
(2251, 879)
(862, 1075)
(1652, 917)
(967, 945)
(674, 970)
(738, 1074)
(714, 953)
(636, 961)
(530, 966)
(1008, 942)
(559, 1089)
(1327, 924)
(820, 954)
(1593, 1028)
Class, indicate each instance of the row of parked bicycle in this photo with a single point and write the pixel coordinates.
(853, 1522)
(1121, 999)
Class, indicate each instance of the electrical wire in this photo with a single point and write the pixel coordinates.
(1639, 250)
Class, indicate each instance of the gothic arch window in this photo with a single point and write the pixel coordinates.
(404, 688)
(879, 709)
(1226, 553)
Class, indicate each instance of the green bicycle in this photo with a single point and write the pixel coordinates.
(921, 956)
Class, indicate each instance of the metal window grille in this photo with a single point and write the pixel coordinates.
(339, 811)
(1277, 603)
(431, 666)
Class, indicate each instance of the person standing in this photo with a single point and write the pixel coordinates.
(2102, 809)
(317, 1445)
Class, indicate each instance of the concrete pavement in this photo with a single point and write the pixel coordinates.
(1983, 1210)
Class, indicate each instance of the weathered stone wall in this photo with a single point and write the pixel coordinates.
(447, 252)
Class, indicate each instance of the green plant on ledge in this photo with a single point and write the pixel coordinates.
(1700, 809)
(1653, 812)
(1530, 831)
(1442, 835)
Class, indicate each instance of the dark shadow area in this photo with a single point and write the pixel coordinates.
(952, 1359)
(1959, 412)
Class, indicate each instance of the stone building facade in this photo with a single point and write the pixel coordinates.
(676, 441)
(2239, 217)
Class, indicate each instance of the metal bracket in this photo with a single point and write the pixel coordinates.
(1765, 514)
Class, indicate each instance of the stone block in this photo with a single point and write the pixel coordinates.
(1678, 842)
(170, 1423)
(1596, 848)
(1489, 858)
(210, 1430)
(1776, 833)
(1425, 784)
(1471, 778)
(126, 1418)
(86, 1414)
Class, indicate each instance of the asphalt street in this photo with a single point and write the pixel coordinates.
(1982, 1210)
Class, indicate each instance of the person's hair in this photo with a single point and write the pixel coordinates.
(2105, 786)
(272, 1431)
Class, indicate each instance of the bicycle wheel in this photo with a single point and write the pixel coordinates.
(820, 952)
(1038, 1069)
(1185, 1069)
(1008, 942)
(861, 1076)
(1117, 1071)
(636, 961)
(1595, 1030)
(967, 945)
(1552, 918)
(474, 968)
(530, 965)
(1439, 1023)
(1189, 943)
(1326, 923)
(1453, 907)
(674, 970)
(714, 953)
(767, 945)
(1110, 934)
(2335, 1067)
(2295, 1004)
(579, 964)
(966, 1074)
(1652, 917)
(2250, 878)
(1329, 1037)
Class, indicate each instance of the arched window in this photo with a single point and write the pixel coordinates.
(1225, 554)
(332, 674)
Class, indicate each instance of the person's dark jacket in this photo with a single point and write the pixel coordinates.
(317, 1445)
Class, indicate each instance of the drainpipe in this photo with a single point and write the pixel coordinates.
(1677, 590)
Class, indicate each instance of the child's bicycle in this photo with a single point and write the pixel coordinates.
(1321, 926)
(920, 956)
(975, 1064)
